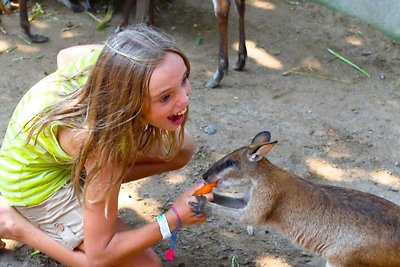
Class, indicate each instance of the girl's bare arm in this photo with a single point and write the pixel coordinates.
(105, 243)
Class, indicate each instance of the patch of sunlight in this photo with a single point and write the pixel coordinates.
(311, 62)
(262, 4)
(28, 48)
(40, 24)
(386, 178)
(129, 197)
(325, 169)
(4, 45)
(266, 261)
(175, 178)
(69, 34)
(10, 244)
(260, 55)
(354, 40)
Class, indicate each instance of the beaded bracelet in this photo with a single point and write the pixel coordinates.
(169, 255)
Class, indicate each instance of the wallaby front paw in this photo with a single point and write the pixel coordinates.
(198, 207)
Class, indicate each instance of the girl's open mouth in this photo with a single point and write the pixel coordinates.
(178, 118)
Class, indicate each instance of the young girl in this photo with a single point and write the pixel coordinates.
(114, 115)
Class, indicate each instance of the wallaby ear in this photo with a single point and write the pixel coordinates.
(260, 151)
(261, 138)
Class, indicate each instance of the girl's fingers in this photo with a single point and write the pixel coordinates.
(189, 206)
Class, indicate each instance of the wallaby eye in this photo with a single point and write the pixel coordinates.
(230, 162)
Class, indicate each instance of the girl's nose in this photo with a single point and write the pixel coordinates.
(184, 95)
(184, 99)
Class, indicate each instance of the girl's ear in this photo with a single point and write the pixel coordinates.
(260, 151)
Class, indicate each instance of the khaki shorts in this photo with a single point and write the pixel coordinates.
(60, 216)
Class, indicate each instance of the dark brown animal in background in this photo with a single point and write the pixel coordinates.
(26, 27)
(349, 228)
(221, 10)
(145, 14)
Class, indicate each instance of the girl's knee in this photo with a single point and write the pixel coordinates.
(147, 259)
(155, 262)
(12, 224)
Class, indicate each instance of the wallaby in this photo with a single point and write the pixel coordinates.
(347, 227)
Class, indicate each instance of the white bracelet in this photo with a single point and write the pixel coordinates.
(164, 227)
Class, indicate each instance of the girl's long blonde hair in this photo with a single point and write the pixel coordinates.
(109, 106)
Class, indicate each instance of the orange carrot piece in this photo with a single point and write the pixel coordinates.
(207, 188)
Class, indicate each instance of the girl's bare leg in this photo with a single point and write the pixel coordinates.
(14, 226)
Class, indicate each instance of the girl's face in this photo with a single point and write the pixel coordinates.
(169, 91)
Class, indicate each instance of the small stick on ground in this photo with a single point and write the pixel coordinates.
(299, 70)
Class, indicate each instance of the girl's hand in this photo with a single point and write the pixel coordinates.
(184, 208)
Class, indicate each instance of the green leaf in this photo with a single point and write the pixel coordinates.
(36, 252)
(363, 71)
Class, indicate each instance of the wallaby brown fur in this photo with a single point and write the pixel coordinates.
(347, 227)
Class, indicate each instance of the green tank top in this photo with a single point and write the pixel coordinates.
(30, 173)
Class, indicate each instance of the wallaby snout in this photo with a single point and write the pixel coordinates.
(215, 173)
(347, 227)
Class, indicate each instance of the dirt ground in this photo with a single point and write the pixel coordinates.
(334, 125)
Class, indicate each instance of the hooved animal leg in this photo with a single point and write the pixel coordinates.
(242, 51)
(221, 10)
(145, 12)
(24, 23)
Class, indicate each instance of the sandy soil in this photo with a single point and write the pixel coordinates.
(333, 124)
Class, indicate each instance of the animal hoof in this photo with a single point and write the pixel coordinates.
(215, 81)
(240, 63)
(212, 83)
(37, 38)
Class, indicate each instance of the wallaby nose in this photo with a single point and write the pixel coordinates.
(206, 175)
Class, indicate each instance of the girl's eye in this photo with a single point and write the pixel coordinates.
(165, 98)
(185, 78)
